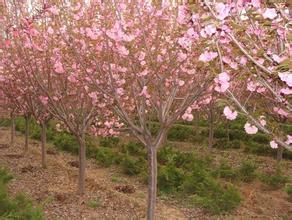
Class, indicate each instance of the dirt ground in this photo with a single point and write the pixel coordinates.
(55, 188)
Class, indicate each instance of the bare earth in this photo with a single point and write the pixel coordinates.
(55, 188)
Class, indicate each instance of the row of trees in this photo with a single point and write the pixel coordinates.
(101, 66)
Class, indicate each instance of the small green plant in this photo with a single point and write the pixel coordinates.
(66, 142)
(274, 180)
(18, 207)
(246, 171)
(226, 171)
(288, 190)
(94, 203)
(105, 156)
(110, 142)
(133, 148)
(133, 166)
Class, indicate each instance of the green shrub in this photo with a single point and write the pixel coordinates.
(181, 133)
(66, 142)
(226, 171)
(133, 148)
(258, 149)
(237, 135)
(220, 133)
(5, 122)
(274, 180)
(133, 166)
(109, 142)
(288, 190)
(165, 154)
(16, 208)
(208, 192)
(246, 171)
(106, 156)
(169, 178)
(261, 138)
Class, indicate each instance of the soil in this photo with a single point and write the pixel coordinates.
(111, 195)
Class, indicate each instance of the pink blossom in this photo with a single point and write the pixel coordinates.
(50, 30)
(286, 91)
(44, 100)
(208, 56)
(59, 67)
(262, 121)
(123, 50)
(182, 56)
(270, 13)
(144, 92)
(280, 111)
(222, 82)
(210, 29)
(250, 129)
(222, 10)
(286, 77)
(256, 3)
(251, 86)
(182, 15)
(229, 114)
(289, 139)
(277, 58)
(54, 10)
(187, 116)
(274, 144)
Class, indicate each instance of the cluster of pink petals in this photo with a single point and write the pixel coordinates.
(229, 114)
(286, 77)
(144, 92)
(274, 144)
(262, 121)
(270, 13)
(280, 111)
(222, 10)
(209, 30)
(208, 56)
(289, 139)
(188, 116)
(250, 129)
(222, 82)
(44, 100)
(58, 67)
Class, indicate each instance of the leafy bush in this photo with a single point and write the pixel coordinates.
(133, 166)
(261, 138)
(288, 190)
(181, 133)
(5, 122)
(208, 192)
(109, 142)
(165, 154)
(169, 178)
(220, 133)
(226, 171)
(66, 142)
(274, 180)
(106, 156)
(16, 208)
(133, 148)
(237, 135)
(246, 171)
(258, 149)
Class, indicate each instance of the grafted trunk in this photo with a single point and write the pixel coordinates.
(26, 133)
(12, 138)
(43, 144)
(211, 127)
(82, 164)
(280, 154)
(152, 184)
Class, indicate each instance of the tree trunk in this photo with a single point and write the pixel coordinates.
(12, 130)
(43, 144)
(211, 127)
(82, 164)
(26, 133)
(152, 184)
(280, 154)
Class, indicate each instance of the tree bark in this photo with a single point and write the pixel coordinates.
(12, 139)
(82, 164)
(280, 154)
(26, 133)
(211, 127)
(43, 144)
(152, 184)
